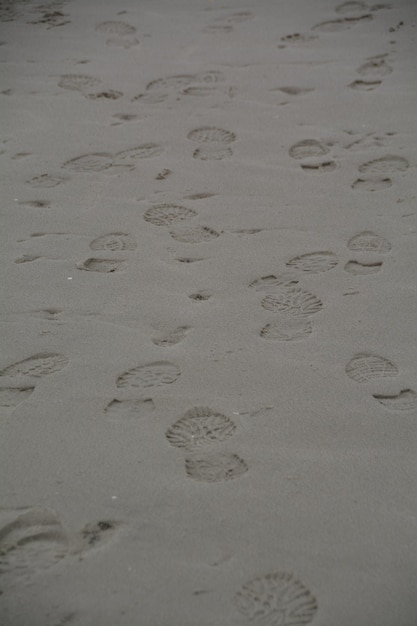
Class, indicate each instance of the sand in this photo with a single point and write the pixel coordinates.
(208, 396)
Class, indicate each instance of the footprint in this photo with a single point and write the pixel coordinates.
(362, 269)
(368, 241)
(171, 82)
(196, 234)
(151, 98)
(208, 134)
(27, 258)
(406, 400)
(46, 181)
(294, 91)
(121, 409)
(212, 152)
(150, 375)
(374, 67)
(199, 427)
(296, 38)
(163, 175)
(189, 259)
(287, 329)
(200, 296)
(167, 214)
(11, 397)
(294, 301)
(213, 468)
(372, 184)
(277, 598)
(351, 7)
(38, 365)
(51, 18)
(336, 26)
(35, 204)
(365, 367)
(116, 28)
(171, 337)
(114, 241)
(314, 262)
(106, 266)
(129, 157)
(94, 536)
(78, 82)
(307, 148)
(110, 94)
(322, 168)
(29, 545)
(385, 165)
(272, 282)
(365, 85)
(90, 162)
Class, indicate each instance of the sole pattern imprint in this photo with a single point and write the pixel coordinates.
(295, 302)
(150, 375)
(214, 468)
(365, 367)
(38, 365)
(276, 599)
(199, 427)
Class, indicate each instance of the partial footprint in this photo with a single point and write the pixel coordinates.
(196, 234)
(365, 85)
(320, 168)
(374, 67)
(38, 365)
(46, 181)
(273, 283)
(11, 397)
(128, 158)
(296, 38)
(336, 26)
(362, 269)
(116, 28)
(150, 375)
(406, 400)
(105, 266)
(314, 262)
(171, 337)
(287, 329)
(113, 242)
(372, 184)
(212, 152)
(94, 536)
(351, 7)
(368, 241)
(123, 409)
(385, 165)
(209, 134)
(276, 599)
(213, 468)
(293, 301)
(171, 82)
(199, 427)
(110, 94)
(307, 148)
(78, 82)
(365, 367)
(294, 91)
(200, 296)
(90, 162)
(167, 214)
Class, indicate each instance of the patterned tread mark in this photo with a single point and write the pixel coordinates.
(314, 262)
(374, 67)
(171, 338)
(105, 266)
(212, 152)
(154, 374)
(78, 82)
(294, 301)
(197, 234)
(119, 409)
(46, 181)
(215, 468)
(38, 365)
(90, 162)
(208, 134)
(145, 151)
(272, 282)
(167, 214)
(322, 168)
(307, 148)
(199, 427)
(10, 397)
(372, 184)
(362, 269)
(335, 26)
(114, 241)
(29, 545)
(116, 28)
(95, 535)
(287, 329)
(368, 241)
(277, 598)
(365, 367)
(385, 165)
(350, 7)
(365, 85)
(406, 400)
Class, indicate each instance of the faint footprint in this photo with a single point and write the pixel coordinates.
(376, 66)
(212, 152)
(406, 400)
(273, 283)
(116, 28)
(286, 329)
(213, 468)
(277, 598)
(46, 181)
(150, 375)
(106, 266)
(200, 427)
(351, 7)
(38, 365)
(388, 164)
(196, 234)
(94, 536)
(122, 409)
(368, 241)
(128, 158)
(167, 214)
(171, 337)
(163, 175)
(321, 168)
(372, 184)
(11, 397)
(314, 262)
(293, 301)
(336, 26)
(307, 148)
(114, 241)
(365, 367)
(90, 162)
(296, 38)
(78, 82)
(200, 296)
(209, 134)
(171, 82)
(362, 269)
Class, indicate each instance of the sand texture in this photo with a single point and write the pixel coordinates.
(208, 389)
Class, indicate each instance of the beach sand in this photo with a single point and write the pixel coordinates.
(208, 394)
